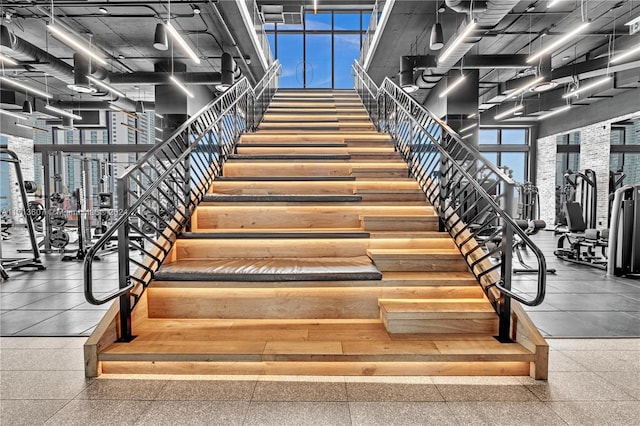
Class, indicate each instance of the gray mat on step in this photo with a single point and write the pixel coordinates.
(274, 269)
(211, 198)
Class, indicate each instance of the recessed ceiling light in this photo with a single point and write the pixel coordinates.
(103, 10)
(120, 56)
(566, 58)
(196, 10)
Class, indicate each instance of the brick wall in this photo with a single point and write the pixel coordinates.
(594, 154)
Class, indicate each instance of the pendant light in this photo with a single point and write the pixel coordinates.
(160, 40)
(27, 108)
(436, 41)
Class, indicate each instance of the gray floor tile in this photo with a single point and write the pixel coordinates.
(18, 300)
(575, 386)
(42, 384)
(298, 413)
(504, 413)
(586, 324)
(595, 344)
(401, 413)
(13, 322)
(68, 323)
(208, 390)
(392, 392)
(58, 301)
(607, 360)
(42, 359)
(194, 413)
(28, 412)
(97, 412)
(452, 392)
(598, 413)
(123, 389)
(299, 391)
(592, 302)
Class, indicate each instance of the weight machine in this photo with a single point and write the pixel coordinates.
(34, 261)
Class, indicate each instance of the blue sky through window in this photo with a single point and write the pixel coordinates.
(319, 54)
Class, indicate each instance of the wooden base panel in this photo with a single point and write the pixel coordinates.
(319, 368)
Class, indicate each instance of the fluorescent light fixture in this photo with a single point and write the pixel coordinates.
(553, 3)
(508, 112)
(106, 86)
(159, 115)
(553, 46)
(158, 139)
(181, 41)
(470, 27)
(158, 129)
(7, 59)
(63, 112)
(468, 128)
(452, 86)
(475, 114)
(524, 87)
(181, 86)
(12, 114)
(25, 87)
(625, 55)
(80, 46)
(558, 111)
(466, 136)
(589, 86)
(315, 6)
(382, 23)
(24, 126)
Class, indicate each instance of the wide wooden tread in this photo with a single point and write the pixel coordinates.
(476, 308)
(182, 340)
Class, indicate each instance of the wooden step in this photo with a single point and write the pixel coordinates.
(273, 234)
(325, 347)
(317, 137)
(295, 198)
(326, 168)
(289, 157)
(285, 178)
(392, 194)
(383, 222)
(326, 149)
(296, 301)
(282, 217)
(432, 316)
(418, 260)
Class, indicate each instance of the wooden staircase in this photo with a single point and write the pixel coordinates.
(315, 253)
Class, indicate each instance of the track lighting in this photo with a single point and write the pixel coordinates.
(62, 112)
(468, 128)
(160, 41)
(181, 41)
(451, 87)
(553, 46)
(80, 46)
(7, 60)
(38, 129)
(106, 86)
(453, 46)
(466, 136)
(25, 87)
(12, 114)
(558, 111)
(589, 86)
(625, 55)
(524, 88)
(181, 86)
(508, 112)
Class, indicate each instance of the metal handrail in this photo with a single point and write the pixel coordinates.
(473, 197)
(157, 195)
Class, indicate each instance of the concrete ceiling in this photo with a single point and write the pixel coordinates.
(522, 29)
(125, 36)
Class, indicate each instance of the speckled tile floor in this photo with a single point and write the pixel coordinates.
(591, 382)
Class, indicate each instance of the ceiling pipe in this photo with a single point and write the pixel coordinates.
(464, 6)
(22, 50)
(144, 77)
(125, 104)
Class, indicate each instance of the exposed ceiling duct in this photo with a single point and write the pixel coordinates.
(495, 11)
(40, 60)
(464, 6)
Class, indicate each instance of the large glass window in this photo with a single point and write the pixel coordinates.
(507, 148)
(319, 52)
(625, 157)
(568, 155)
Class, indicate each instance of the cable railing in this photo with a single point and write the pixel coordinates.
(473, 198)
(157, 195)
